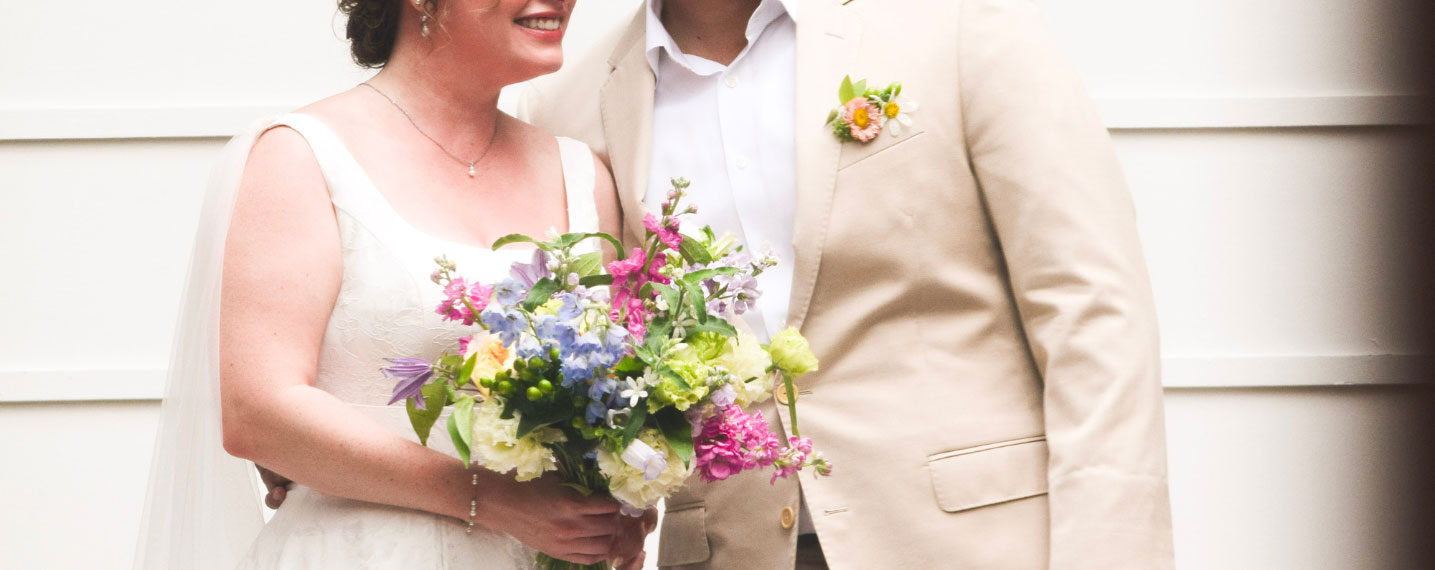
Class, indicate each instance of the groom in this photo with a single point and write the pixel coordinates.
(970, 279)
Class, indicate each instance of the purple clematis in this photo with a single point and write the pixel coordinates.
(411, 374)
(529, 273)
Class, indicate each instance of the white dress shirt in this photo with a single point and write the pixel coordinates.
(729, 130)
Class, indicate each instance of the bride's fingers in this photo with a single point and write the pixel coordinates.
(597, 546)
(275, 497)
(594, 506)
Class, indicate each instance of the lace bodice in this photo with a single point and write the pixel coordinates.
(386, 304)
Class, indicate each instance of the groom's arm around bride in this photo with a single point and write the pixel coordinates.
(974, 286)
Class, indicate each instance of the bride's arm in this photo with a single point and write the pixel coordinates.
(282, 272)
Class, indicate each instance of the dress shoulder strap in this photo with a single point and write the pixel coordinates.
(579, 181)
(350, 188)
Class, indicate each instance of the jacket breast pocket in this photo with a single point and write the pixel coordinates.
(855, 152)
(989, 474)
(684, 537)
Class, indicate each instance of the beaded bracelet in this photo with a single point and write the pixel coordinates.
(472, 505)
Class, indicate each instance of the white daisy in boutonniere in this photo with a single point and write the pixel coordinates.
(898, 113)
(866, 113)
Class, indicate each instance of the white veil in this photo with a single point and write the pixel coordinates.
(202, 507)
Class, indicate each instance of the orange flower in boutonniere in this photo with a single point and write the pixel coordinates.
(866, 113)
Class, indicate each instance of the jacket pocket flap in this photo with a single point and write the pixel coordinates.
(989, 474)
(684, 537)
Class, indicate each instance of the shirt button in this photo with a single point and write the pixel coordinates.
(730, 81)
(741, 163)
(788, 517)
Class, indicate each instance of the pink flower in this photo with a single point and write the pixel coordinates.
(863, 119)
(667, 234)
(463, 302)
(731, 442)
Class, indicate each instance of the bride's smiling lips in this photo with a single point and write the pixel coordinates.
(544, 25)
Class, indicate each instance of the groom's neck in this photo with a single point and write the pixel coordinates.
(710, 29)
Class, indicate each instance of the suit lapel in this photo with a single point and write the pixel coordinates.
(827, 42)
(626, 104)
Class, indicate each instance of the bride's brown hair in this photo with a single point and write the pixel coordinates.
(373, 26)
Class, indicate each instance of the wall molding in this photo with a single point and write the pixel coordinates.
(1119, 113)
(1180, 373)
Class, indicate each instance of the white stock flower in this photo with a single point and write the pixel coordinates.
(497, 447)
(631, 485)
(745, 359)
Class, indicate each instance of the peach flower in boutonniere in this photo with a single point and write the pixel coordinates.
(866, 113)
(862, 119)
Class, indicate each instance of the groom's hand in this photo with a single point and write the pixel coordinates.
(627, 551)
(276, 485)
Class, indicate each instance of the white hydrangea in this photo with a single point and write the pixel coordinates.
(497, 447)
(629, 484)
(745, 359)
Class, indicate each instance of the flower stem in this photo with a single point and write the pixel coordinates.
(791, 403)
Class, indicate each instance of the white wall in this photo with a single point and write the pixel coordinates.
(1259, 137)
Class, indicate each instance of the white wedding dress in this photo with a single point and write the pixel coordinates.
(385, 308)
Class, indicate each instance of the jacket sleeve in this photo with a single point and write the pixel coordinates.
(1066, 227)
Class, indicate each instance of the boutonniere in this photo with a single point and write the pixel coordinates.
(866, 112)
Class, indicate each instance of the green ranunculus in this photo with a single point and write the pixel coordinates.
(791, 353)
(706, 346)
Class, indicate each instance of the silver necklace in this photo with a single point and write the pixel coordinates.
(472, 170)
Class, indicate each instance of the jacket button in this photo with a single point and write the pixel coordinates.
(781, 394)
(789, 517)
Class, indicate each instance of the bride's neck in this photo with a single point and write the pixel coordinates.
(450, 97)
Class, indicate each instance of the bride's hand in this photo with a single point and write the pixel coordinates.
(550, 518)
(627, 551)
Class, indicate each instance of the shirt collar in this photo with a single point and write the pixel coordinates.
(658, 39)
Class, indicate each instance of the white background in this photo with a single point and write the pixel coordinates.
(1261, 139)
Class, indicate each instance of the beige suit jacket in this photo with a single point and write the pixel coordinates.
(989, 387)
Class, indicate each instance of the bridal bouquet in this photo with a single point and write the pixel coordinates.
(625, 382)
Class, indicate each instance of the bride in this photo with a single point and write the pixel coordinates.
(323, 224)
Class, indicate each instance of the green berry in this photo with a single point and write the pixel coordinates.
(545, 386)
(534, 394)
(486, 383)
(505, 387)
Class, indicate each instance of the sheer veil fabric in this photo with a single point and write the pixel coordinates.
(202, 506)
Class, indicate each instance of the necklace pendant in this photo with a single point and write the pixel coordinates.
(471, 171)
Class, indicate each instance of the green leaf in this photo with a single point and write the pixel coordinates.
(581, 488)
(540, 293)
(569, 240)
(535, 418)
(694, 251)
(696, 299)
(658, 332)
(628, 365)
(845, 92)
(435, 397)
(677, 431)
(460, 427)
(860, 88)
(587, 264)
(715, 325)
(704, 274)
(832, 117)
(635, 424)
(670, 374)
(669, 294)
(596, 280)
(465, 374)
(513, 238)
